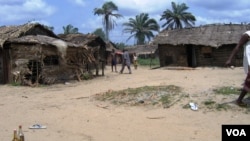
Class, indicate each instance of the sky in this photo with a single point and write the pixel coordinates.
(79, 13)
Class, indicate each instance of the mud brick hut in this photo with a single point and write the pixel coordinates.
(208, 45)
(94, 43)
(31, 54)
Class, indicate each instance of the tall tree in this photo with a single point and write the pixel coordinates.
(141, 28)
(69, 29)
(177, 17)
(107, 11)
(99, 32)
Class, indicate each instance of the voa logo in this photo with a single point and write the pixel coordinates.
(236, 132)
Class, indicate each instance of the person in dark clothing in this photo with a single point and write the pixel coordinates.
(125, 61)
(113, 60)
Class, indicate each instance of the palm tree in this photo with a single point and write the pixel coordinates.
(177, 17)
(69, 29)
(141, 28)
(107, 12)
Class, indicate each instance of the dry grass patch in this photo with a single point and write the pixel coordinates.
(165, 96)
(225, 93)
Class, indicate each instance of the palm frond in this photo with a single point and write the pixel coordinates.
(177, 17)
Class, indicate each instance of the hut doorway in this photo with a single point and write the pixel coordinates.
(191, 57)
(35, 67)
(1, 66)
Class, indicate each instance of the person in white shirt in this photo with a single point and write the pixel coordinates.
(243, 42)
(135, 60)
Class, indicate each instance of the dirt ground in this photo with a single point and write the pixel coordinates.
(71, 114)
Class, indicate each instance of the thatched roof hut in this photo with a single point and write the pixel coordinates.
(142, 49)
(13, 32)
(60, 45)
(214, 35)
(208, 45)
(33, 52)
(43, 59)
(85, 39)
(92, 41)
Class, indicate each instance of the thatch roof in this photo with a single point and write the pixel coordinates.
(83, 39)
(142, 49)
(50, 41)
(110, 46)
(11, 32)
(209, 35)
(39, 39)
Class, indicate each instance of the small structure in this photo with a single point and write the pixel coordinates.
(31, 54)
(143, 51)
(208, 45)
(94, 43)
(43, 59)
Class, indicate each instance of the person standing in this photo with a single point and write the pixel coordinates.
(243, 42)
(125, 61)
(135, 60)
(113, 60)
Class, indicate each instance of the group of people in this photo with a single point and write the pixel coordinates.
(125, 61)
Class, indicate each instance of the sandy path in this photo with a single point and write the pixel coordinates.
(70, 113)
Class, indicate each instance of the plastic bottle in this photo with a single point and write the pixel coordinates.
(15, 135)
(20, 133)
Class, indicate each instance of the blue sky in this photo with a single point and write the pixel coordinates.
(79, 13)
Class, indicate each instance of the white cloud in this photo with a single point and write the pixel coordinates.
(78, 2)
(143, 6)
(37, 5)
(24, 10)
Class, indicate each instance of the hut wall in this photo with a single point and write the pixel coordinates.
(26, 61)
(1, 67)
(38, 64)
(99, 52)
(172, 55)
(218, 56)
(205, 56)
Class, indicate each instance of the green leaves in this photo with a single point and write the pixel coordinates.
(177, 17)
(141, 28)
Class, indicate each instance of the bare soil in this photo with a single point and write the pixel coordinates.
(71, 112)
